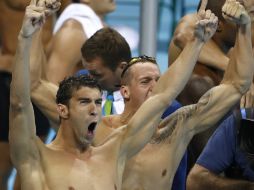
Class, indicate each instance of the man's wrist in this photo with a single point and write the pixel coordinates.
(23, 36)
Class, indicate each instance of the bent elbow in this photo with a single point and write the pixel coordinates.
(243, 86)
(17, 104)
(180, 40)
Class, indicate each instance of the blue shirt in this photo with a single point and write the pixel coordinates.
(179, 182)
(222, 151)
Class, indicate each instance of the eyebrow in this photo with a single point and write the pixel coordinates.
(148, 77)
(84, 98)
(99, 99)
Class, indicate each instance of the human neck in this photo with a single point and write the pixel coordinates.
(129, 111)
(65, 140)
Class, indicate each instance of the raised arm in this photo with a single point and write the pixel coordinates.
(213, 105)
(22, 125)
(237, 78)
(241, 70)
(141, 127)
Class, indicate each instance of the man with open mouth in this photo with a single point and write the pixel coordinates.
(70, 162)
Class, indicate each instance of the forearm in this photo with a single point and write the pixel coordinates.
(237, 80)
(208, 180)
(20, 85)
(241, 65)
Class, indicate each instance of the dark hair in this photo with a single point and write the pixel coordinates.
(108, 45)
(215, 6)
(75, 1)
(74, 83)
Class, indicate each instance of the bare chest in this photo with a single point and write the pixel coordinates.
(150, 165)
(63, 171)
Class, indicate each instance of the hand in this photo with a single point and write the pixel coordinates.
(233, 11)
(33, 19)
(247, 100)
(206, 24)
(51, 6)
(35, 15)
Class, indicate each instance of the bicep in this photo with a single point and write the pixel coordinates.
(22, 134)
(67, 43)
(66, 53)
(142, 126)
(212, 106)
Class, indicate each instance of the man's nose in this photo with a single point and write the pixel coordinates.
(153, 82)
(93, 109)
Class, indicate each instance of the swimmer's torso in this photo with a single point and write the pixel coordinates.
(150, 169)
(58, 169)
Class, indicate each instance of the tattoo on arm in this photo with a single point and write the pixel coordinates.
(175, 121)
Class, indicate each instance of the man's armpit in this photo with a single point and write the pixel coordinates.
(177, 122)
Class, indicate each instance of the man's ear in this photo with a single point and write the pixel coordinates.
(125, 92)
(63, 111)
(122, 66)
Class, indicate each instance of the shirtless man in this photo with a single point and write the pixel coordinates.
(211, 64)
(70, 162)
(11, 14)
(132, 104)
(77, 23)
(105, 62)
(154, 167)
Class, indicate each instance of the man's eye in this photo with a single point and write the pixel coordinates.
(98, 102)
(144, 82)
(85, 101)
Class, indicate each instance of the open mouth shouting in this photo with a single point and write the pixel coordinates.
(91, 128)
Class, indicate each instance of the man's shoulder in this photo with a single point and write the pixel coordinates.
(72, 24)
